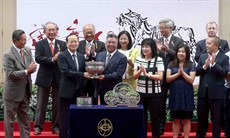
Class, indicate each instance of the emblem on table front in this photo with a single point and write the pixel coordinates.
(105, 127)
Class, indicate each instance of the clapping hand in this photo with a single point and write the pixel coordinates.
(207, 61)
(165, 48)
(32, 68)
(142, 68)
(181, 68)
(213, 58)
(56, 56)
(87, 50)
(159, 45)
(93, 48)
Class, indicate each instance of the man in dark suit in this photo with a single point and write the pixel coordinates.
(115, 66)
(48, 77)
(18, 65)
(166, 46)
(90, 48)
(212, 68)
(211, 29)
(227, 108)
(72, 67)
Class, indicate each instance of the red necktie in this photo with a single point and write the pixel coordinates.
(52, 48)
(21, 54)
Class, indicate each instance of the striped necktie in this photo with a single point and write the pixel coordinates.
(107, 59)
(75, 61)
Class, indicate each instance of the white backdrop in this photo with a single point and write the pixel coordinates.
(71, 15)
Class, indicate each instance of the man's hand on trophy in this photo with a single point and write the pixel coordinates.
(87, 75)
(101, 77)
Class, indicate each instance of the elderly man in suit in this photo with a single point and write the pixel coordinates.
(48, 77)
(166, 45)
(18, 65)
(90, 48)
(211, 29)
(115, 66)
(72, 67)
(212, 68)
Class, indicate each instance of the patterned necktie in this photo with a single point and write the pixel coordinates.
(22, 56)
(166, 41)
(166, 44)
(107, 59)
(75, 61)
(52, 48)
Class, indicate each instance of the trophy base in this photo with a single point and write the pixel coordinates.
(112, 106)
(95, 77)
(84, 101)
(132, 106)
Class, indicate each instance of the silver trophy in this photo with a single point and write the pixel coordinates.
(133, 98)
(111, 98)
(94, 68)
(126, 95)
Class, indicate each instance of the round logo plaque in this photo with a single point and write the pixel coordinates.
(105, 127)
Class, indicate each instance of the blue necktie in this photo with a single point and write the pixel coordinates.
(75, 61)
(107, 59)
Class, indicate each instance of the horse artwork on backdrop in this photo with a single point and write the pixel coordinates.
(140, 29)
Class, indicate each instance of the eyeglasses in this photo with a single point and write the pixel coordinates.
(73, 42)
(111, 42)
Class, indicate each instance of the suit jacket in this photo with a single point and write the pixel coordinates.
(201, 48)
(48, 70)
(100, 46)
(16, 78)
(71, 79)
(173, 45)
(113, 71)
(213, 78)
(171, 54)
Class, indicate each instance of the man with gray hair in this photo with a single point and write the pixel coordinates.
(166, 46)
(18, 65)
(90, 48)
(212, 30)
(48, 77)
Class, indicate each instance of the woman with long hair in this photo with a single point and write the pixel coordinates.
(181, 74)
(125, 46)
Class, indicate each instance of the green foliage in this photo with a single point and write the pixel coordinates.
(33, 104)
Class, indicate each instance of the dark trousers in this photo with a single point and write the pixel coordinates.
(227, 111)
(164, 89)
(42, 102)
(90, 90)
(153, 105)
(216, 108)
(64, 115)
